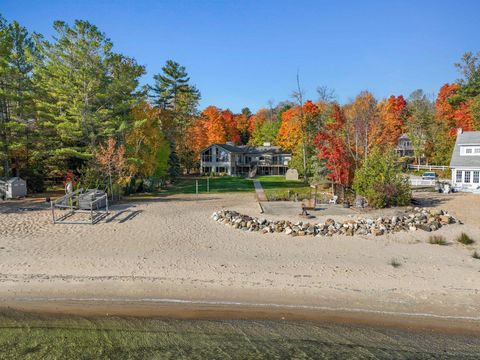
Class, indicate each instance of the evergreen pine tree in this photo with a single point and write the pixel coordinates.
(84, 92)
(178, 100)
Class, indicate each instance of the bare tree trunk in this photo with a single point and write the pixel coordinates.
(4, 137)
(303, 128)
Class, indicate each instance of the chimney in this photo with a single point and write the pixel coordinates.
(267, 143)
(231, 143)
(459, 131)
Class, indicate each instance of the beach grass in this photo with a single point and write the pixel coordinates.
(465, 239)
(437, 240)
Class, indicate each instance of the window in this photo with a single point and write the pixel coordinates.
(467, 176)
(222, 155)
(470, 150)
(476, 177)
(459, 176)
(207, 155)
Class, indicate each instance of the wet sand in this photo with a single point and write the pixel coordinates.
(205, 311)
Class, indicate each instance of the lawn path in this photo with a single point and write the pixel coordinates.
(259, 190)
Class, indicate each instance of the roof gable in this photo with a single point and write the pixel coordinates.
(248, 149)
(465, 138)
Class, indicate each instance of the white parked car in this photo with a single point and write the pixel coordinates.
(429, 175)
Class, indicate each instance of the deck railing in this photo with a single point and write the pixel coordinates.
(428, 167)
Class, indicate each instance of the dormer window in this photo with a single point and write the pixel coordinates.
(470, 150)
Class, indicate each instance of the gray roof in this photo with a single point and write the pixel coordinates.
(247, 149)
(465, 138)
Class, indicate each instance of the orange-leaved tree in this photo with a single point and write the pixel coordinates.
(111, 160)
(393, 117)
(450, 113)
(214, 126)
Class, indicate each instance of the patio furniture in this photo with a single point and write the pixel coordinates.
(93, 202)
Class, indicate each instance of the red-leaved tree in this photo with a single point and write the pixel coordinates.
(332, 147)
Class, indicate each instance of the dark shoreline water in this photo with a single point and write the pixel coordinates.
(48, 336)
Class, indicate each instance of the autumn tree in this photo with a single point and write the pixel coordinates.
(393, 114)
(214, 126)
(112, 162)
(147, 148)
(362, 117)
(331, 143)
(243, 124)
(298, 128)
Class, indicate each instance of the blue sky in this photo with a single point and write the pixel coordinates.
(244, 53)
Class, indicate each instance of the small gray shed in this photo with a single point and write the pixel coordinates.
(13, 188)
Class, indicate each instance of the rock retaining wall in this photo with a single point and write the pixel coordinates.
(412, 219)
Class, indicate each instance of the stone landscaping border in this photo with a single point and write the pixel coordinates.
(411, 220)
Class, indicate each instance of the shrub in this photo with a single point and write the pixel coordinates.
(437, 240)
(476, 255)
(381, 181)
(395, 263)
(465, 239)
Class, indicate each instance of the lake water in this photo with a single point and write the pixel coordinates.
(27, 336)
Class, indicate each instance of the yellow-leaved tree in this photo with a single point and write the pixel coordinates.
(147, 148)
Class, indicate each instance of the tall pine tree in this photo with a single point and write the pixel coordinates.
(17, 52)
(84, 92)
(178, 101)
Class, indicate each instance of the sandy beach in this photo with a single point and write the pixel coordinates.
(168, 250)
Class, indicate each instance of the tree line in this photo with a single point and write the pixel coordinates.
(72, 105)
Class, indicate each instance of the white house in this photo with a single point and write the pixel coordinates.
(465, 162)
(244, 160)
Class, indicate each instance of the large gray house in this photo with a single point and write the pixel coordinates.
(465, 162)
(244, 160)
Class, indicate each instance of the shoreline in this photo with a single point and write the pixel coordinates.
(181, 309)
(155, 259)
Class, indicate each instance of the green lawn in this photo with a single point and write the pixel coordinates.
(274, 186)
(187, 185)
(277, 188)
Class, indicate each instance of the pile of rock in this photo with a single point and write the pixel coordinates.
(410, 220)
